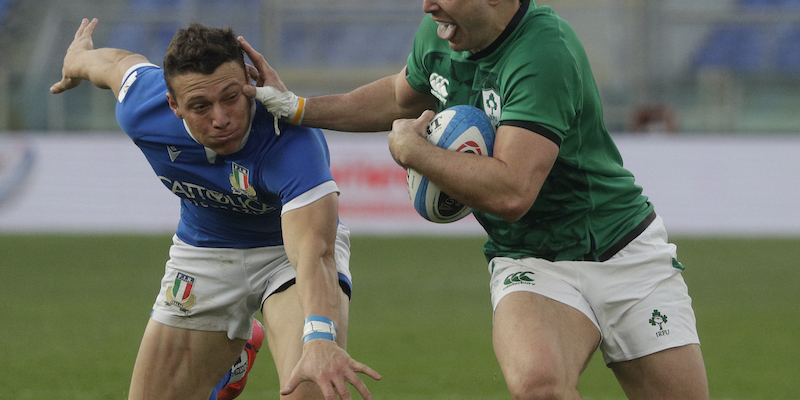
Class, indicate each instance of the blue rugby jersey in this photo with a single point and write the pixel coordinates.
(231, 201)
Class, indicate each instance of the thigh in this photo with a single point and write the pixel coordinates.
(676, 373)
(283, 320)
(177, 363)
(542, 345)
(216, 289)
(640, 298)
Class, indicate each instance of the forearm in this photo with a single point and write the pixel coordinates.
(99, 66)
(318, 287)
(370, 108)
(505, 185)
(310, 242)
(484, 183)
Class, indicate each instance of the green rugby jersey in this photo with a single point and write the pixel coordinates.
(536, 76)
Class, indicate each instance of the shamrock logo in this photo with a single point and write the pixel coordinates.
(658, 319)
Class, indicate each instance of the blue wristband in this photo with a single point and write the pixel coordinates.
(319, 327)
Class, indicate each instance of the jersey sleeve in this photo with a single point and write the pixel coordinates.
(299, 168)
(542, 94)
(142, 98)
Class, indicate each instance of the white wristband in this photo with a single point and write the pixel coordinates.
(318, 327)
(283, 105)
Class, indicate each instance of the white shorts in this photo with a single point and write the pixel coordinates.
(637, 299)
(220, 289)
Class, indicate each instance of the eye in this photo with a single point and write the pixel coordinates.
(199, 107)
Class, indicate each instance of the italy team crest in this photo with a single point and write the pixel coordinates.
(180, 293)
(240, 181)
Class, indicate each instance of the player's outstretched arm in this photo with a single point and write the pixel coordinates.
(370, 108)
(102, 67)
(309, 238)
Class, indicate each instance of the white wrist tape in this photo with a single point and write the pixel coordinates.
(283, 105)
(318, 327)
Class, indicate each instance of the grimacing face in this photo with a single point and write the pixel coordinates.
(213, 106)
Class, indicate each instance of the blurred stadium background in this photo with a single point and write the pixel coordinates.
(702, 65)
(683, 81)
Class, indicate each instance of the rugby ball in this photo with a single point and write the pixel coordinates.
(462, 128)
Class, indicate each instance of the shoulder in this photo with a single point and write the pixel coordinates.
(142, 105)
(543, 46)
(297, 141)
(304, 138)
(548, 30)
(141, 74)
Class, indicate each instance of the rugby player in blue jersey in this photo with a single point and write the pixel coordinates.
(258, 229)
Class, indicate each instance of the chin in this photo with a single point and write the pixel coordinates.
(457, 46)
(226, 149)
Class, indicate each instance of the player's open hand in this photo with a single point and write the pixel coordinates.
(331, 368)
(82, 42)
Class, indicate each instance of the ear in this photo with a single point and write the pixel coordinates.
(174, 105)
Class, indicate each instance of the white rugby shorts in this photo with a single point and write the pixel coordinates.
(220, 289)
(637, 299)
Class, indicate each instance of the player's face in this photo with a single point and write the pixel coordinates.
(213, 106)
(466, 24)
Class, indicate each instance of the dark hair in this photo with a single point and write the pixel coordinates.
(200, 49)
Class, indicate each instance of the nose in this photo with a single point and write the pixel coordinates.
(221, 118)
(430, 6)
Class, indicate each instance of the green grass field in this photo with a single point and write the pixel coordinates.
(73, 308)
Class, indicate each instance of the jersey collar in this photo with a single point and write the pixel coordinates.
(523, 8)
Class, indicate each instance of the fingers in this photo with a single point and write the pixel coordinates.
(82, 41)
(421, 123)
(64, 85)
(85, 30)
(249, 91)
(333, 384)
(266, 75)
(339, 387)
(253, 73)
(248, 49)
(292, 383)
(81, 28)
(360, 386)
(361, 368)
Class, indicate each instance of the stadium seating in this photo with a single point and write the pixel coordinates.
(753, 48)
(308, 36)
(788, 58)
(152, 38)
(5, 6)
(363, 43)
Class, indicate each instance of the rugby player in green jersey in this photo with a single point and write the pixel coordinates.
(578, 257)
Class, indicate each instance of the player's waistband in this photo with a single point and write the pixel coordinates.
(622, 242)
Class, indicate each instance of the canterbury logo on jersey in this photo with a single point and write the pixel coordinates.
(439, 87)
(518, 277)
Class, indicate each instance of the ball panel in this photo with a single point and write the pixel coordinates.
(444, 208)
(461, 128)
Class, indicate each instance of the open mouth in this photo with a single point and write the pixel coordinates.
(446, 31)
